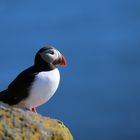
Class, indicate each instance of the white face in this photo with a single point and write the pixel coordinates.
(50, 55)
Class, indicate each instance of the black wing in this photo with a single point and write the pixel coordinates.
(19, 88)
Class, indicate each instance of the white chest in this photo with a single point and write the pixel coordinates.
(43, 88)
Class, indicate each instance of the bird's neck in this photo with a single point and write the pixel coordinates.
(43, 66)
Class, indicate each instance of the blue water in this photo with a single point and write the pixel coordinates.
(99, 94)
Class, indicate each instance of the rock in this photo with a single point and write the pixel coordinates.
(20, 124)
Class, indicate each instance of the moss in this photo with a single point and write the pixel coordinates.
(19, 124)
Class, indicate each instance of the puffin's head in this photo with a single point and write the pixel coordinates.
(50, 56)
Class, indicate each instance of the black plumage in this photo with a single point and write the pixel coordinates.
(19, 88)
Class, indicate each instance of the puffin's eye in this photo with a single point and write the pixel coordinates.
(51, 52)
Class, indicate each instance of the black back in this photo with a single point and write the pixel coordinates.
(19, 88)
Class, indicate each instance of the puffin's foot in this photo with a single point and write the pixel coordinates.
(34, 109)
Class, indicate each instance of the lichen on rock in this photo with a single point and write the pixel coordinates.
(21, 124)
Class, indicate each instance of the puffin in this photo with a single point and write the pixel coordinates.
(38, 83)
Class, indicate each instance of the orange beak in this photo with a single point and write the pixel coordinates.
(63, 62)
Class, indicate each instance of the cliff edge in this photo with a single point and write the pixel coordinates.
(20, 124)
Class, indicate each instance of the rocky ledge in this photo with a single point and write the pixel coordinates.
(20, 124)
